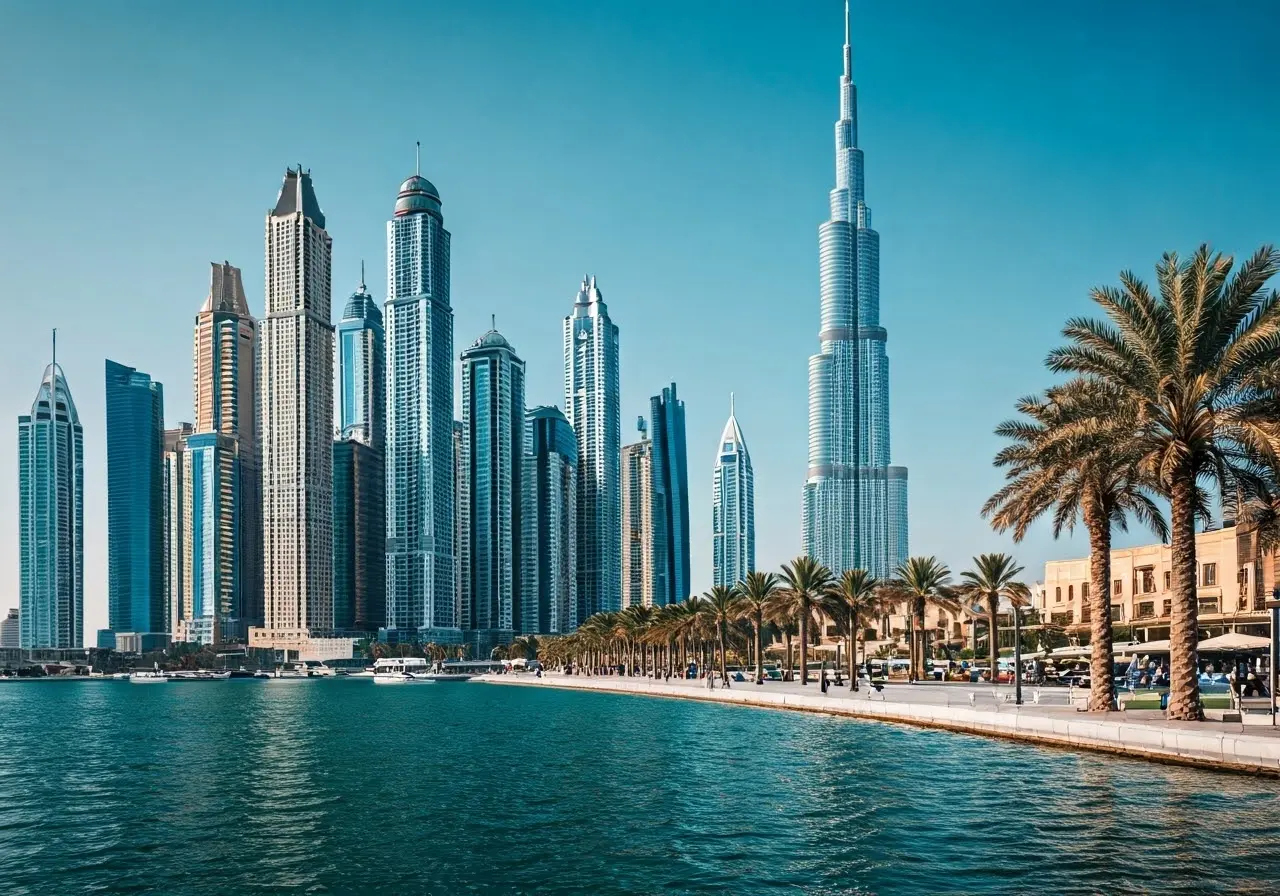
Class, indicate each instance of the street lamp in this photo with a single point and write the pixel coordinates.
(1274, 606)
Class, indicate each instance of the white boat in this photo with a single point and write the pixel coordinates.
(144, 677)
(393, 678)
(400, 670)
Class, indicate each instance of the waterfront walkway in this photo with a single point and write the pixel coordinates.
(974, 709)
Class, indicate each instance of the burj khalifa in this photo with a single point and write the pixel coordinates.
(855, 502)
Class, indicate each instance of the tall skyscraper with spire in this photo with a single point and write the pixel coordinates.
(548, 518)
(855, 507)
(592, 404)
(640, 507)
(296, 401)
(422, 597)
(733, 507)
(51, 516)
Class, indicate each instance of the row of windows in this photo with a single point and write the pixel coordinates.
(1145, 582)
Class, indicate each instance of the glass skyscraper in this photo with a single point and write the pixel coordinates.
(548, 518)
(211, 571)
(492, 470)
(592, 406)
(177, 526)
(850, 510)
(51, 517)
(639, 571)
(671, 499)
(135, 502)
(733, 507)
(421, 588)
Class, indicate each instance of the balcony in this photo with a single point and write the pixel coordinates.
(1146, 610)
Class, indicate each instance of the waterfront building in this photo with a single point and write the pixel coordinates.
(492, 470)
(9, 626)
(296, 401)
(733, 508)
(855, 502)
(51, 517)
(135, 502)
(639, 571)
(671, 498)
(226, 405)
(176, 524)
(592, 406)
(211, 571)
(459, 499)
(548, 518)
(422, 597)
(362, 370)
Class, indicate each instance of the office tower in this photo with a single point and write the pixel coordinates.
(296, 401)
(9, 628)
(639, 570)
(135, 502)
(51, 517)
(210, 558)
(671, 499)
(492, 469)
(548, 518)
(848, 513)
(177, 535)
(421, 586)
(459, 501)
(733, 508)
(226, 404)
(592, 406)
(359, 485)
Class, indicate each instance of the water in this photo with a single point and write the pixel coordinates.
(346, 787)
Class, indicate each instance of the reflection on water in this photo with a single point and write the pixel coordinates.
(344, 787)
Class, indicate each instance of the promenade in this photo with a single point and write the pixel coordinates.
(1145, 734)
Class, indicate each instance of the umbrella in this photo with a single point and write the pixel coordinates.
(1143, 649)
(1071, 653)
(1233, 642)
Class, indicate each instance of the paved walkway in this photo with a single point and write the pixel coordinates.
(979, 710)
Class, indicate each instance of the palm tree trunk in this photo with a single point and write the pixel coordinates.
(759, 650)
(724, 673)
(1102, 689)
(1184, 629)
(993, 637)
(917, 633)
(850, 644)
(804, 646)
(790, 665)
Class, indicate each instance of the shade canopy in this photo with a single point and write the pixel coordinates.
(1233, 642)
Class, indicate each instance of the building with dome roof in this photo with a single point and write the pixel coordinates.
(733, 507)
(51, 517)
(422, 596)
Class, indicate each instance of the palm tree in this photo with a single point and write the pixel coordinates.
(755, 593)
(804, 581)
(525, 646)
(920, 581)
(1074, 452)
(858, 598)
(721, 610)
(991, 580)
(1198, 364)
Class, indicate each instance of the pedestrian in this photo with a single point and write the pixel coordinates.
(824, 681)
(711, 683)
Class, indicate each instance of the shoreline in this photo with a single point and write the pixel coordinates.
(1203, 745)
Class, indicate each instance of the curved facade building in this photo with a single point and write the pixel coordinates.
(548, 518)
(855, 507)
(733, 508)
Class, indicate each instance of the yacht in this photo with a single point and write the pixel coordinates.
(148, 677)
(399, 670)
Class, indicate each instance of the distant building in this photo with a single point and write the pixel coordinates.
(459, 500)
(638, 503)
(51, 517)
(210, 557)
(548, 517)
(9, 626)
(671, 499)
(733, 514)
(177, 529)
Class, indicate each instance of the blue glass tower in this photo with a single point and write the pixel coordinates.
(670, 499)
(733, 510)
(548, 518)
(135, 502)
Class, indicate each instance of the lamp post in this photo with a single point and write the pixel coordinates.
(1274, 606)
(1017, 655)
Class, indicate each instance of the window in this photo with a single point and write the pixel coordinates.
(1148, 579)
(1117, 587)
(1071, 592)
(1209, 574)
(1084, 591)
(1167, 608)
(1167, 577)
(1146, 609)
(1117, 614)
(1057, 595)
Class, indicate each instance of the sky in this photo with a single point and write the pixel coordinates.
(1016, 155)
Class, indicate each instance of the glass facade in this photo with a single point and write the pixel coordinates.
(733, 511)
(177, 526)
(670, 498)
(548, 519)
(639, 509)
(211, 568)
(359, 538)
(135, 501)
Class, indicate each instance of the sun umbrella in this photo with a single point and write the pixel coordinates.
(1233, 642)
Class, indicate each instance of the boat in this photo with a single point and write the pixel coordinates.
(145, 677)
(400, 670)
(298, 670)
(200, 675)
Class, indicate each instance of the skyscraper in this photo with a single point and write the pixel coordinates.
(848, 512)
(51, 517)
(177, 528)
(135, 503)
(548, 518)
(211, 572)
(733, 510)
(671, 499)
(421, 589)
(296, 401)
(359, 484)
(592, 405)
(639, 505)
(492, 470)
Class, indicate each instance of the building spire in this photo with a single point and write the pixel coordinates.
(55, 346)
(493, 321)
(730, 404)
(848, 50)
(362, 287)
(417, 157)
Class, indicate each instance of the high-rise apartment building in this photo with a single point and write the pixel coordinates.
(592, 406)
(135, 503)
(9, 628)
(548, 518)
(177, 529)
(211, 571)
(639, 569)
(492, 470)
(671, 499)
(459, 501)
(362, 370)
(422, 596)
(733, 511)
(51, 517)
(296, 401)
(853, 517)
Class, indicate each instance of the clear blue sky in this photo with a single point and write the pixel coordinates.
(1017, 154)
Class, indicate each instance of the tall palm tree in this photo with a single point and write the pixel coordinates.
(524, 646)
(804, 581)
(755, 592)
(721, 610)
(992, 579)
(1196, 362)
(920, 582)
(1074, 452)
(857, 596)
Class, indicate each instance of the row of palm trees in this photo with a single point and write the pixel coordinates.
(795, 602)
(1172, 399)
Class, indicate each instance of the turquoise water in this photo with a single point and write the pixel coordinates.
(346, 787)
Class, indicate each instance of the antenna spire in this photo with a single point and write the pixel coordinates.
(55, 346)
(493, 321)
(362, 289)
(730, 404)
(417, 156)
(848, 51)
